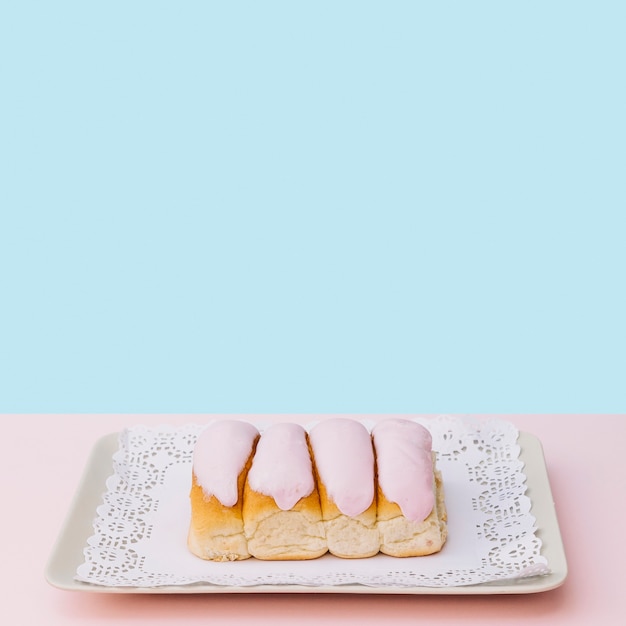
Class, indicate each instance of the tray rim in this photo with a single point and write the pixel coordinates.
(67, 552)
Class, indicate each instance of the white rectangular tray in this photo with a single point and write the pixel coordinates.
(67, 554)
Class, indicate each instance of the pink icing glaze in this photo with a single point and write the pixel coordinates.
(282, 467)
(405, 469)
(220, 454)
(344, 458)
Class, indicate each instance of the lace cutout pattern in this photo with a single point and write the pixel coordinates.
(479, 460)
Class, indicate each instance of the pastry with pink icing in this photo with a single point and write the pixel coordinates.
(221, 459)
(344, 463)
(288, 495)
(411, 513)
(281, 505)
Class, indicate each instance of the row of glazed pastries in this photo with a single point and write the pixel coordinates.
(293, 494)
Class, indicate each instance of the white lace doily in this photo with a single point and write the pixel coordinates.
(140, 532)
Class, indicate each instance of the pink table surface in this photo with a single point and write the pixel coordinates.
(45, 455)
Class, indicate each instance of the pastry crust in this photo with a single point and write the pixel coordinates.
(275, 534)
(343, 459)
(400, 537)
(349, 537)
(216, 531)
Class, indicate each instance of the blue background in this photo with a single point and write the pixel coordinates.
(312, 206)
